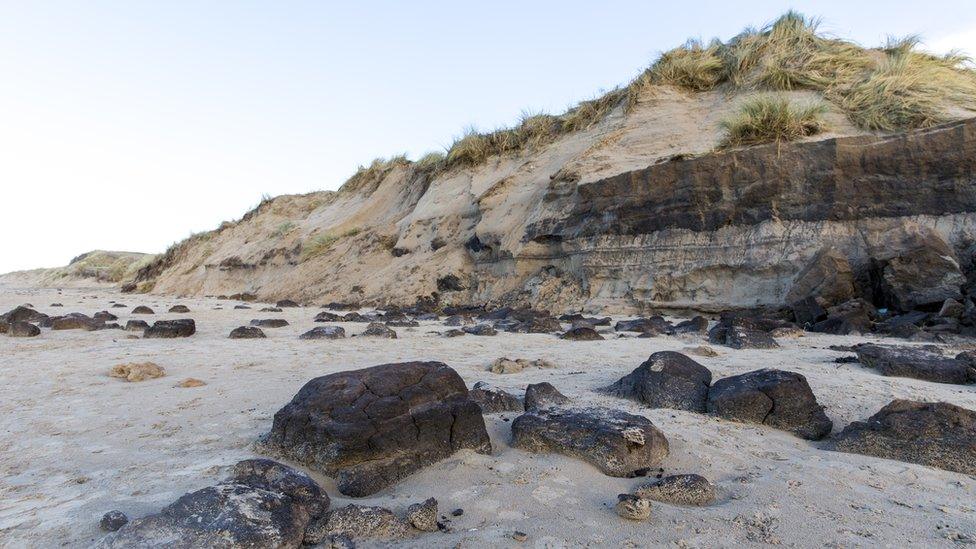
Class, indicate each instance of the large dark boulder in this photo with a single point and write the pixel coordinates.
(74, 321)
(617, 443)
(925, 363)
(775, 398)
(854, 316)
(543, 395)
(165, 329)
(937, 434)
(666, 380)
(654, 324)
(372, 427)
(923, 277)
(582, 333)
(22, 314)
(696, 325)
(261, 504)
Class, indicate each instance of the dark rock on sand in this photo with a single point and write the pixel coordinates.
(75, 321)
(480, 330)
(104, 316)
(696, 325)
(775, 398)
(617, 443)
(184, 327)
(679, 490)
(269, 322)
(281, 304)
(136, 325)
(372, 427)
(246, 332)
(543, 395)
(582, 333)
(923, 277)
(925, 363)
(113, 520)
(22, 314)
(142, 310)
(357, 522)
(666, 380)
(179, 309)
(324, 332)
(423, 516)
(937, 434)
(262, 504)
(23, 329)
(326, 316)
(493, 400)
(378, 329)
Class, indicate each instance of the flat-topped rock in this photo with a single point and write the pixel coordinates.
(324, 332)
(925, 363)
(494, 400)
(269, 322)
(937, 434)
(667, 379)
(247, 332)
(617, 443)
(370, 428)
(775, 398)
(183, 327)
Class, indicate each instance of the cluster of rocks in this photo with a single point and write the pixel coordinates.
(921, 294)
(776, 398)
(24, 321)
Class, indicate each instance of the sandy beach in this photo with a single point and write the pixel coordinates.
(77, 443)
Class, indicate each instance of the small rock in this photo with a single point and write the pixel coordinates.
(543, 395)
(493, 400)
(184, 327)
(269, 322)
(190, 382)
(136, 325)
(179, 309)
(246, 332)
(519, 536)
(142, 310)
(324, 332)
(454, 333)
(357, 522)
(23, 329)
(286, 303)
(137, 371)
(632, 507)
(582, 333)
(701, 350)
(457, 512)
(113, 520)
(480, 330)
(378, 329)
(679, 490)
(423, 516)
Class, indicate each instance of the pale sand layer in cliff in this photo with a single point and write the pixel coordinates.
(75, 443)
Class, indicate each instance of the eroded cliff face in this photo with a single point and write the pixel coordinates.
(607, 218)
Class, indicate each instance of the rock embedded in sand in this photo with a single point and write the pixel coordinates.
(324, 332)
(696, 325)
(261, 504)
(632, 507)
(270, 309)
(281, 304)
(167, 329)
(378, 329)
(493, 400)
(775, 398)
(179, 309)
(454, 333)
(191, 382)
(136, 325)
(925, 363)
(617, 443)
(423, 516)
(142, 310)
(370, 428)
(357, 522)
(22, 314)
(582, 333)
(937, 434)
(247, 332)
(326, 316)
(666, 380)
(269, 322)
(75, 321)
(543, 395)
(104, 316)
(137, 371)
(112, 521)
(480, 330)
(23, 329)
(679, 490)
(508, 366)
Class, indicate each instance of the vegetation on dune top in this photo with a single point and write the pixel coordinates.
(889, 88)
(773, 118)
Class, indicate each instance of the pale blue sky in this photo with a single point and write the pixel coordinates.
(130, 124)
